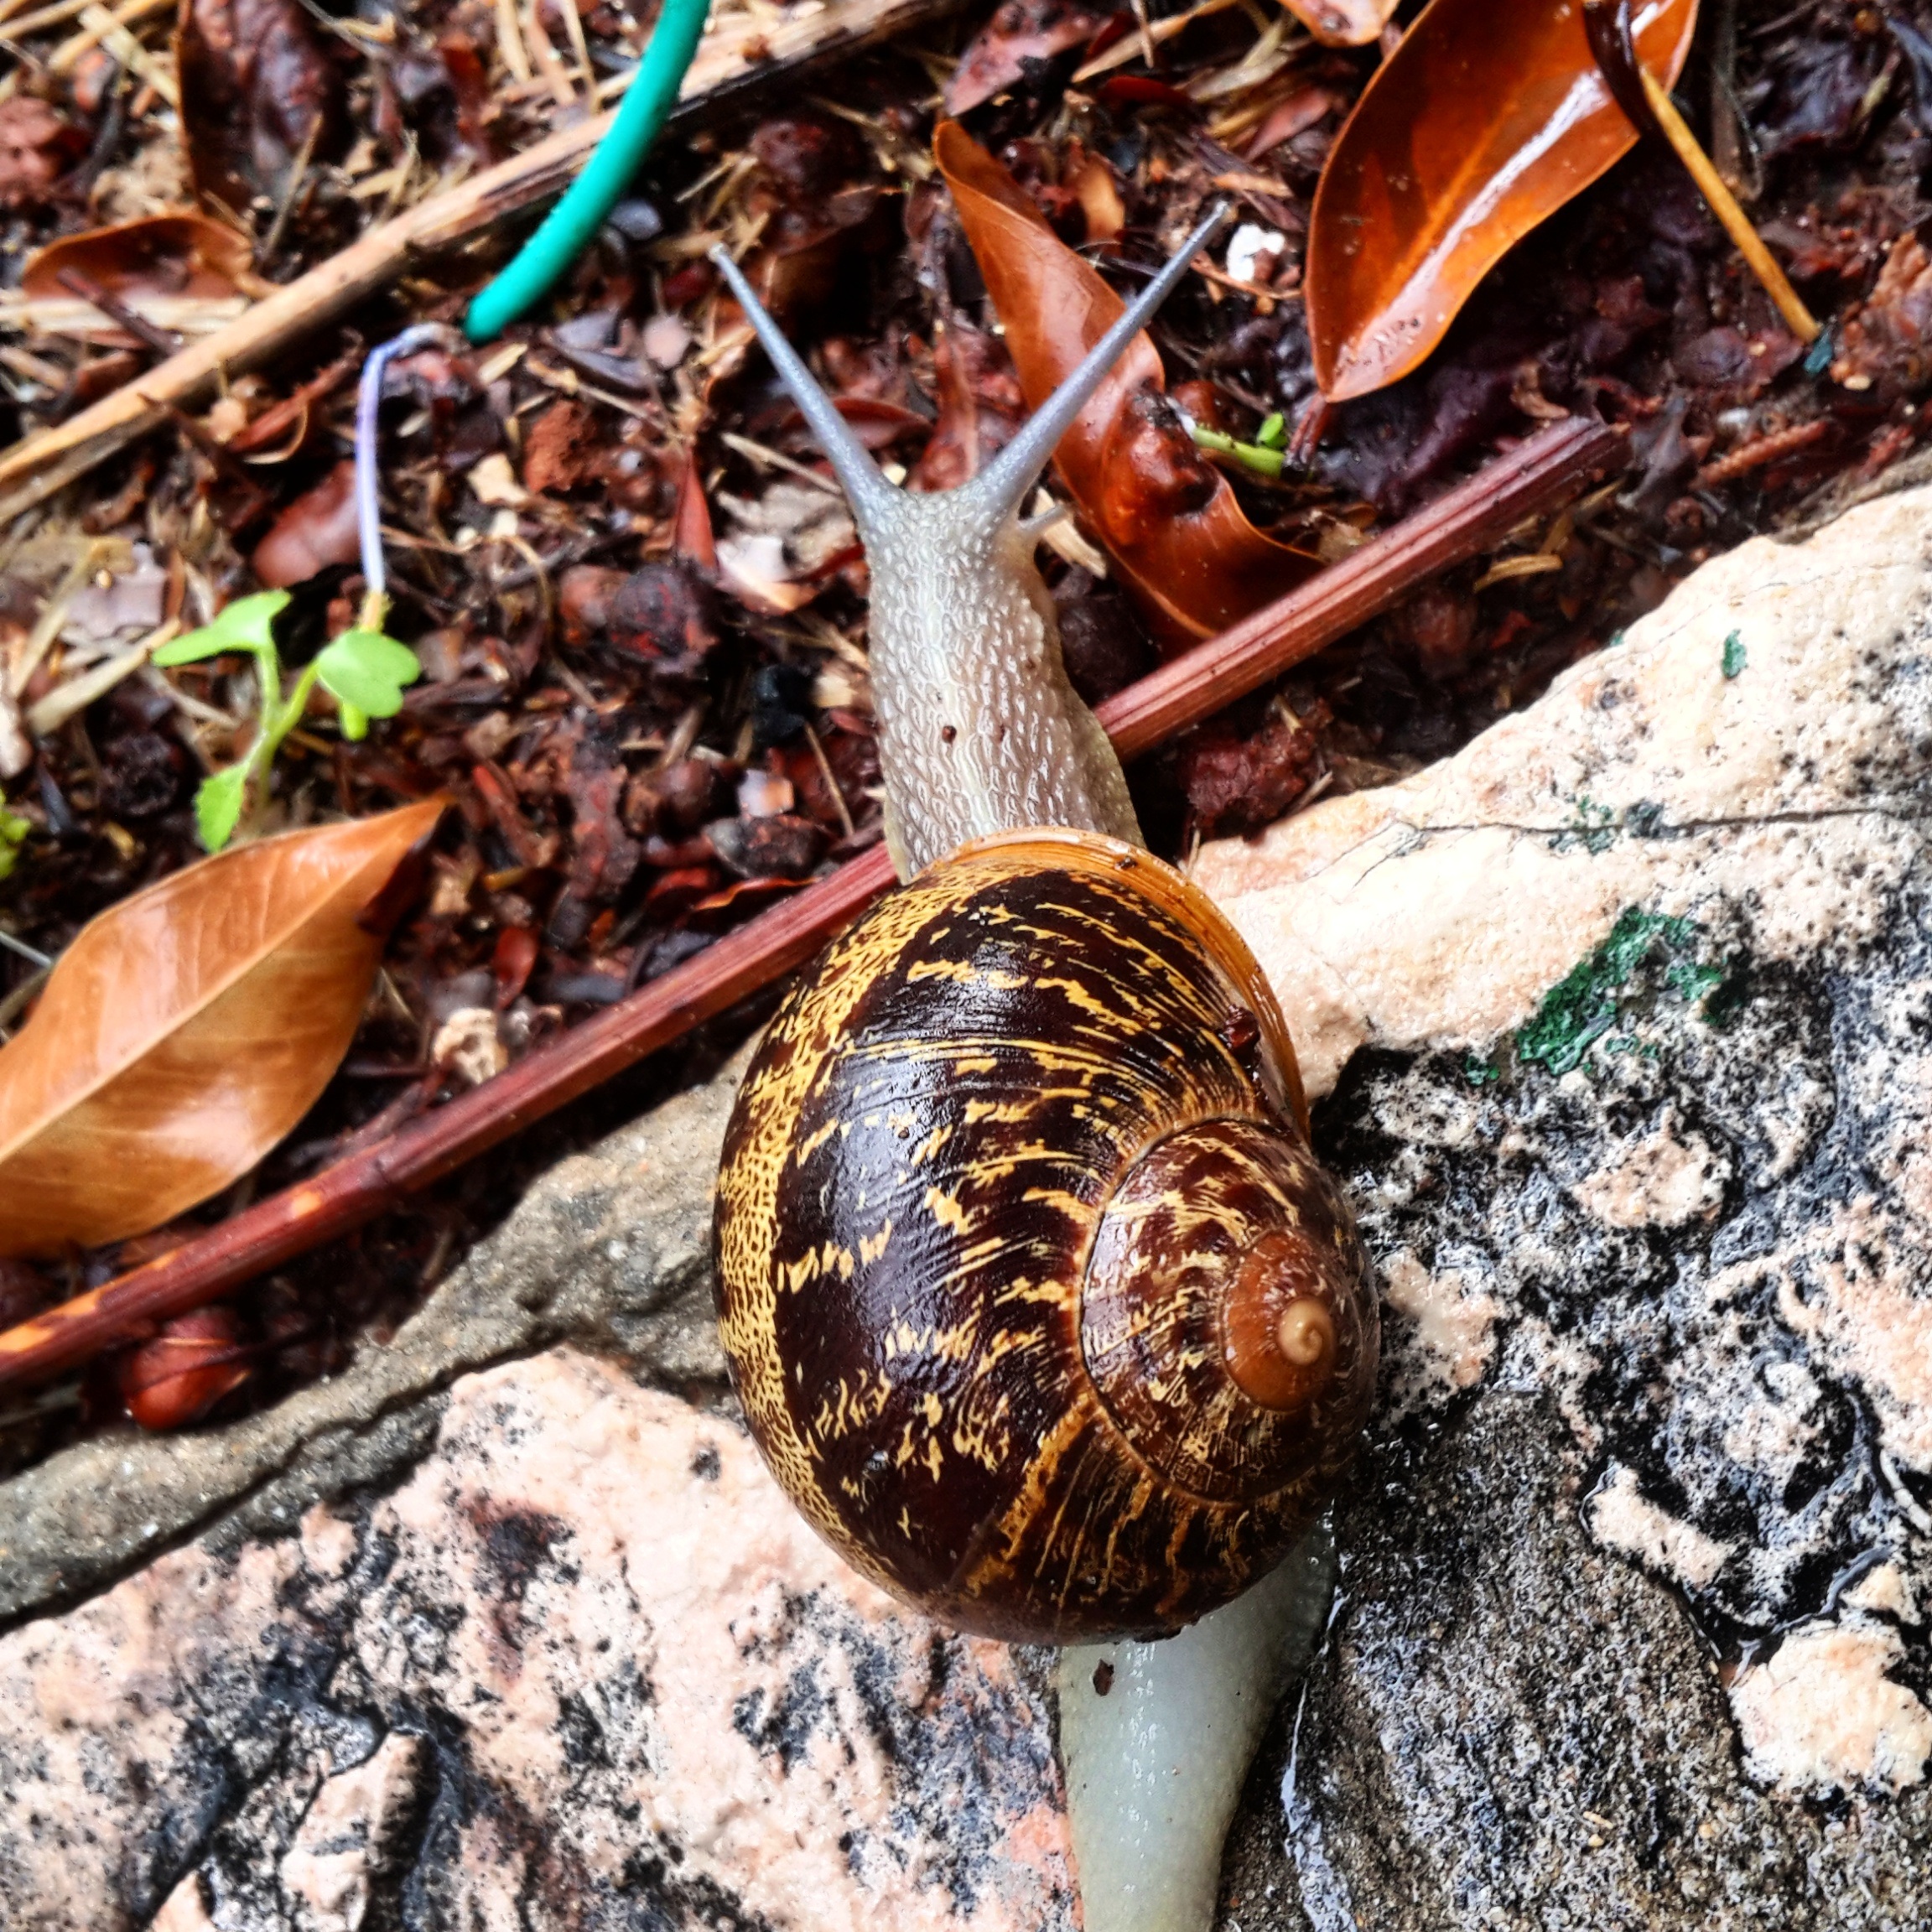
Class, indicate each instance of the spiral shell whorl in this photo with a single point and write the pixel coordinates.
(915, 1200)
(1216, 1215)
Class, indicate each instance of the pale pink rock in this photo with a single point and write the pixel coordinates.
(1821, 1714)
(609, 1661)
(1622, 1518)
(1501, 867)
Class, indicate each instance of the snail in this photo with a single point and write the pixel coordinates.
(1039, 1306)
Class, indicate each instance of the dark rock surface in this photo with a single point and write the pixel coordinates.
(1511, 1728)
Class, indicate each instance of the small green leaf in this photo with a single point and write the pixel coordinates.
(1273, 434)
(367, 672)
(247, 624)
(1733, 660)
(218, 805)
(14, 830)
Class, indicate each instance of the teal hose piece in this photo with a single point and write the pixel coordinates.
(567, 229)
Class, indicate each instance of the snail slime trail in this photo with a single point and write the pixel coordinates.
(1039, 1305)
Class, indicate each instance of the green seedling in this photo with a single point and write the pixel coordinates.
(1264, 458)
(14, 830)
(363, 669)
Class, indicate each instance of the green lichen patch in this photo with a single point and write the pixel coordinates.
(1734, 658)
(1646, 955)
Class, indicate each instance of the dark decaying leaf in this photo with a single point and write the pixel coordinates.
(1020, 31)
(1465, 140)
(188, 1029)
(1168, 516)
(258, 86)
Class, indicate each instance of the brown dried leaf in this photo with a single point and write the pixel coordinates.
(37, 148)
(1465, 140)
(1167, 515)
(175, 255)
(188, 1029)
(318, 529)
(980, 406)
(257, 86)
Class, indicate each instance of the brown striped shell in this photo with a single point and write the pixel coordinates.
(1039, 1305)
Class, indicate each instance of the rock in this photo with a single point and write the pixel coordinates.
(1622, 1015)
(1621, 1019)
(585, 1666)
(612, 1247)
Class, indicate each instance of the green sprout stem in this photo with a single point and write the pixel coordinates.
(363, 669)
(1261, 458)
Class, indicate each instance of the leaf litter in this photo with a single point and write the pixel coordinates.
(642, 626)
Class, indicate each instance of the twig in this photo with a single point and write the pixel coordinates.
(1529, 482)
(728, 68)
(162, 341)
(1762, 264)
(1647, 105)
(297, 175)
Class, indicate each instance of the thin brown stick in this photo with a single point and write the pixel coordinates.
(1762, 264)
(729, 67)
(1530, 481)
(1462, 524)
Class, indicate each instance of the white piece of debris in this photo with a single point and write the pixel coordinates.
(1251, 241)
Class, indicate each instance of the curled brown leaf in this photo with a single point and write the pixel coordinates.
(167, 257)
(1465, 140)
(187, 1030)
(319, 528)
(1167, 516)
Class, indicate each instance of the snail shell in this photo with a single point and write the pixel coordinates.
(1039, 1307)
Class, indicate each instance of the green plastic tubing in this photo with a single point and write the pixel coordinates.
(568, 228)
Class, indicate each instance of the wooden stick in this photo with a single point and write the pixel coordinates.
(1763, 264)
(730, 66)
(1530, 481)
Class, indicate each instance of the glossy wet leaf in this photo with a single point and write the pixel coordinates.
(188, 1029)
(1167, 516)
(1465, 140)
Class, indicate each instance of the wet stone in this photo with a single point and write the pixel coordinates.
(1618, 1027)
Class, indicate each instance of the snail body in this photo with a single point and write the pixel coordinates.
(1039, 1307)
